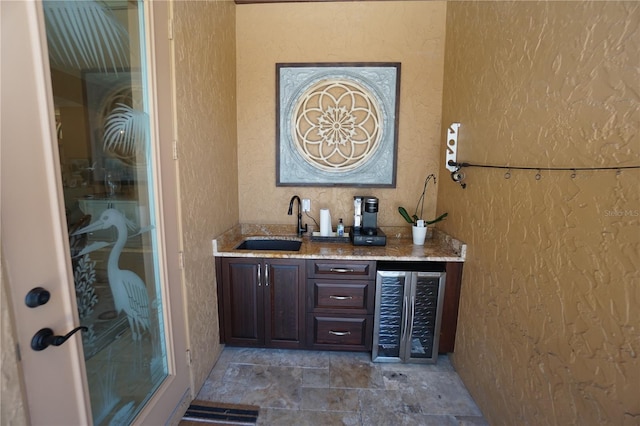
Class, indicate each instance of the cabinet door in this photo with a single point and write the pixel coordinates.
(284, 303)
(243, 302)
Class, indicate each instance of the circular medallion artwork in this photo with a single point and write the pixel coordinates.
(337, 125)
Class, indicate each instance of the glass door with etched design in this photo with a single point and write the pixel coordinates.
(101, 99)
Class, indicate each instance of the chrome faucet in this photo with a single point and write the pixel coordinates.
(299, 227)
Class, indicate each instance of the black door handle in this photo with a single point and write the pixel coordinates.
(45, 338)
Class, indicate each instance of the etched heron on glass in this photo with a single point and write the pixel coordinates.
(129, 291)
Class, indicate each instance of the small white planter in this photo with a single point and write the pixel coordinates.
(419, 233)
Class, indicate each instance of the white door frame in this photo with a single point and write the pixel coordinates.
(33, 220)
(34, 234)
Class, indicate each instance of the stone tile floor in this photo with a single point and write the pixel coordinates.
(294, 387)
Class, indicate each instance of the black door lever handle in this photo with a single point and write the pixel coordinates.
(45, 338)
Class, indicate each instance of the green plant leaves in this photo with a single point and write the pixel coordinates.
(405, 215)
(437, 219)
(414, 219)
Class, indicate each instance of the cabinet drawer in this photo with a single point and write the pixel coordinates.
(341, 269)
(352, 296)
(341, 333)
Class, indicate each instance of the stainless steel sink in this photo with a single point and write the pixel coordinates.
(270, 244)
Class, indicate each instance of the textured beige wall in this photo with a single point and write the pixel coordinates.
(549, 327)
(408, 32)
(206, 126)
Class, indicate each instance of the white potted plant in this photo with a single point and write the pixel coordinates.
(419, 225)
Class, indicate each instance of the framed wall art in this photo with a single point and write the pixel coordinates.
(337, 124)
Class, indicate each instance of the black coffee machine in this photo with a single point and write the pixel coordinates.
(365, 231)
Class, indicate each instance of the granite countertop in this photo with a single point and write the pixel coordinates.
(439, 247)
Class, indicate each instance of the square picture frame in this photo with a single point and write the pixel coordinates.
(337, 124)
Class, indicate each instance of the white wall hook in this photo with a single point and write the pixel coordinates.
(452, 147)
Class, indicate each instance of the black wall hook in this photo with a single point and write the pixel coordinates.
(458, 176)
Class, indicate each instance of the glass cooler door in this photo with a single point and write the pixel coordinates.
(425, 306)
(392, 290)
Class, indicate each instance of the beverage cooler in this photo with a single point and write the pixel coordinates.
(408, 312)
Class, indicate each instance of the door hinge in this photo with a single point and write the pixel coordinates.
(175, 150)
(181, 259)
(188, 357)
(170, 29)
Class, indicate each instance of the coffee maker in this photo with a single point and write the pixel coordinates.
(365, 231)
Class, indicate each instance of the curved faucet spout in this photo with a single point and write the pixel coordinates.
(290, 212)
(300, 228)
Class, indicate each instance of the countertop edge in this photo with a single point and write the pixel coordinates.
(440, 247)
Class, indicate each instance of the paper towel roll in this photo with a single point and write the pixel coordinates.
(325, 223)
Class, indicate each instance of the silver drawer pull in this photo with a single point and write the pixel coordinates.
(341, 297)
(339, 333)
(342, 270)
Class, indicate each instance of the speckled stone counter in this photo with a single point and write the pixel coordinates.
(439, 247)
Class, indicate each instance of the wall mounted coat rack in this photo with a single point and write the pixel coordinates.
(457, 174)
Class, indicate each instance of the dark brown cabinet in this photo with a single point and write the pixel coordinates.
(340, 304)
(316, 304)
(262, 302)
(450, 306)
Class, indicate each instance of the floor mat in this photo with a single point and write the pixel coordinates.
(220, 413)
